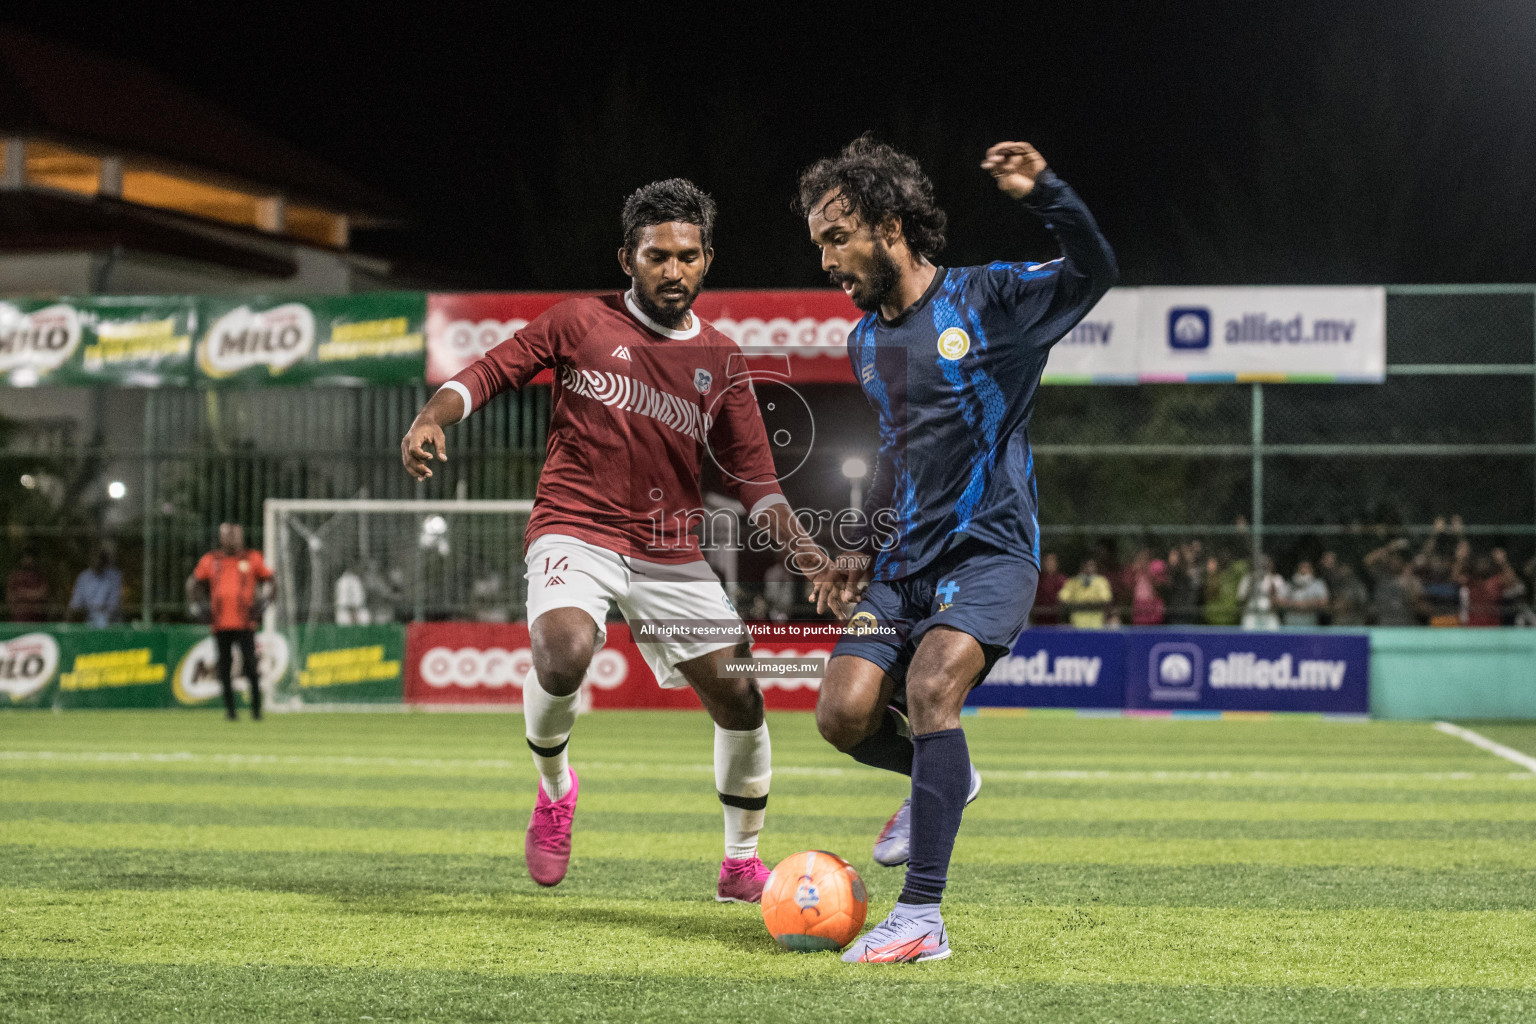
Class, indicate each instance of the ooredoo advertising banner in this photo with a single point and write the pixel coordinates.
(143, 342)
(371, 338)
(1238, 671)
(802, 335)
(470, 663)
(1263, 334)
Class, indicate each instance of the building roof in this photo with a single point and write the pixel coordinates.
(51, 90)
(46, 223)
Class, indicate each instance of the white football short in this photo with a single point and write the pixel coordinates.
(564, 572)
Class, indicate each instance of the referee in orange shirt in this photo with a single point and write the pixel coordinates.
(236, 585)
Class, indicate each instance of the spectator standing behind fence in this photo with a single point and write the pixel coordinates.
(1148, 584)
(1484, 587)
(351, 600)
(1186, 585)
(1261, 599)
(1441, 597)
(1396, 596)
(1512, 589)
(26, 590)
(1306, 599)
(1349, 600)
(1047, 611)
(1222, 605)
(234, 583)
(98, 593)
(1084, 598)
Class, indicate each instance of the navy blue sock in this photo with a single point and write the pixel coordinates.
(888, 748)
(941, 780)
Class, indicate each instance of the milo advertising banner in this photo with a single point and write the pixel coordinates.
(193, 656)
(29, 667)
(373, 338)
(76, 666)
(347, 664)
(143, 342)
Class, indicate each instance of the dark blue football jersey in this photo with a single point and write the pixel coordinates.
(953, 381)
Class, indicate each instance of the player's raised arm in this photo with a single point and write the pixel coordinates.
(1068, 288)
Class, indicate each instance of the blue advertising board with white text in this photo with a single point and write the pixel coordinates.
(1244, 671)
(1057, 668)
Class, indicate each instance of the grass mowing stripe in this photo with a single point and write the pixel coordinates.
(596, 798)
(385, 879)
(708, 822)
(35, 990)
(969, 849)
(520, 766)
(516, 935)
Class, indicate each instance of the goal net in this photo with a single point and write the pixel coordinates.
(370, 562)
(367, 561)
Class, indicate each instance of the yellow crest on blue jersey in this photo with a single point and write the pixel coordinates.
(861, 624)
(954, 343)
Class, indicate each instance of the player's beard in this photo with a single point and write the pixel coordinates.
(672, 315)
(878, 282)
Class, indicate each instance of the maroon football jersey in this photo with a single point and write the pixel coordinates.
(637, 409)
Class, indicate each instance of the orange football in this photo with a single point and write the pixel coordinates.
(814, 900)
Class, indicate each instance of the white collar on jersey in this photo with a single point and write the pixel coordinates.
(692, 331)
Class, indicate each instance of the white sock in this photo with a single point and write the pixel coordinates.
(743, 768)
(547, 722)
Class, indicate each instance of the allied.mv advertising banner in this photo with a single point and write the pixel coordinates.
(1281, 334)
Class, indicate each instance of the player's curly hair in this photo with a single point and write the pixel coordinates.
(879, 181)
(661, 202)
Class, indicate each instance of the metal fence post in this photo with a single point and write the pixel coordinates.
(146, 556)
(1256, 524)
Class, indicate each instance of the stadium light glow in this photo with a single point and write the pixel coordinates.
(28, 481)
(855, 468)
(117, 490)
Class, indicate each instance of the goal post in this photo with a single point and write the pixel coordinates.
(375, 562)
(365, 560)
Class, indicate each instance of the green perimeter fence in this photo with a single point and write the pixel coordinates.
(1290, 469)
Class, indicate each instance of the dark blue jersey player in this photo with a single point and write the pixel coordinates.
(951, 360)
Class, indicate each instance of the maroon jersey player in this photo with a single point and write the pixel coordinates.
(644, 392)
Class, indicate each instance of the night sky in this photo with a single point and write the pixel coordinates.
(1216, 142)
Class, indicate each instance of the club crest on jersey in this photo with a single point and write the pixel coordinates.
(703, 380)
(862, 624)
(954, 343)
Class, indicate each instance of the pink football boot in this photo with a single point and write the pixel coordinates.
(742, 881)
(547, 846)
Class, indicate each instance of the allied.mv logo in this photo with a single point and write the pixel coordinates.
(954, 343)
(1174, 671)
(1189, 327)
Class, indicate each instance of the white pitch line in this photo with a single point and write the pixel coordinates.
(1479, 740)
(636, 768)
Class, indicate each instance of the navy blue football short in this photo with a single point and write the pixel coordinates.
(975, 588)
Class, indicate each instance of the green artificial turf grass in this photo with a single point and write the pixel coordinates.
(347, 867)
